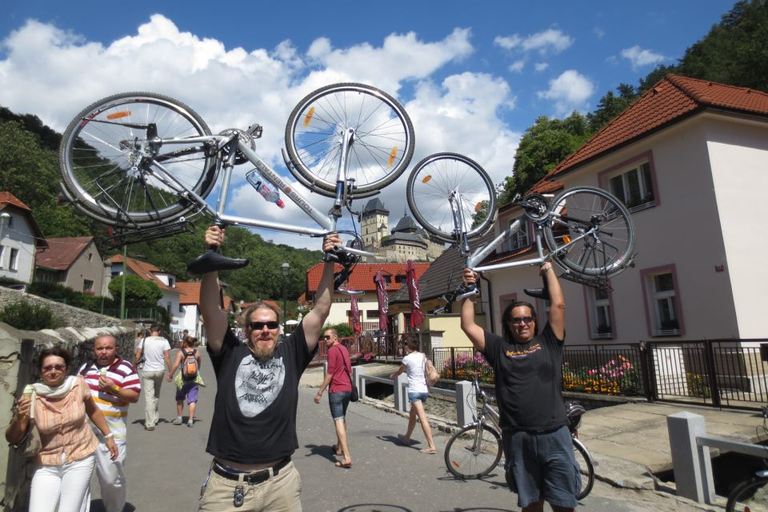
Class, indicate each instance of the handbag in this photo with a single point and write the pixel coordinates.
(355, 395)
(31, 444)
(430, 372)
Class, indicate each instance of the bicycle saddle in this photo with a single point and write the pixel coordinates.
(212, 261)
(537, 293)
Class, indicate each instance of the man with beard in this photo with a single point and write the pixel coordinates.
(114, 385)
(253, 430)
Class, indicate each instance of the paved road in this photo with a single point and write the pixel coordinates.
(167, 467)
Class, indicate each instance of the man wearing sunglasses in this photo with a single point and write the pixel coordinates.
(253, 429)
(528, 368)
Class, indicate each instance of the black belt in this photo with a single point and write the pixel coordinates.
(256, 477)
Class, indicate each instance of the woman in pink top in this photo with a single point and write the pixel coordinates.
(59, 405)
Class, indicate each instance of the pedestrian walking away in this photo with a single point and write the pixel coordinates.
(528, 366)
(58, 406)
(253, 429)
(339, 384)
(155, 352)
(188, 380)
(414, 365)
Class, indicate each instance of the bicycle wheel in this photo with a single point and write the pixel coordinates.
(586, 467)
(590, 231)
(431, 183)
(382, 145)
(110, 169)
(749, 496)
(473, 452)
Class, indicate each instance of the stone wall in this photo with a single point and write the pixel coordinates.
(19, 351)
(73, 317)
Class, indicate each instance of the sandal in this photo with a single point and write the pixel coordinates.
(428, 451)
(345, 465)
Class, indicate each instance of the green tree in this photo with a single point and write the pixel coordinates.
(610, 106)
(138, 292)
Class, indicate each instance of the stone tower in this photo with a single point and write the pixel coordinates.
(374, 224)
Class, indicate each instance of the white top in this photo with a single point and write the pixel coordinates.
(414, 363)
(154, 346)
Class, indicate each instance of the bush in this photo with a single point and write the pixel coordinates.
(29, 317)
(344, 330)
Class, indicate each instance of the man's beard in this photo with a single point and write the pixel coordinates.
(263, 352)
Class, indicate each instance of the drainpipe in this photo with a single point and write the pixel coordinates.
(492, 324)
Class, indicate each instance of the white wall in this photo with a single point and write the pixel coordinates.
(19, 237)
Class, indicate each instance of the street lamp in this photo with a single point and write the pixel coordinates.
(286, 268)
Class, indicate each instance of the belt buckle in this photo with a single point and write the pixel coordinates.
(258, 477)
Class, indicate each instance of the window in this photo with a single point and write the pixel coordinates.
(372, 314)
(663, 302)
(600, 323)
(634, 187)
(87, 286)
(168, 308)
(2, 255)
(14, 263)
(521, 238)
(181, 308)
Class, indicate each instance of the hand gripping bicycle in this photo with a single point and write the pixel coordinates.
(588, 233)
(476, 449)
(143, 163)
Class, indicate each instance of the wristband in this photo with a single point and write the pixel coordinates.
(116, 388)
(109, 436)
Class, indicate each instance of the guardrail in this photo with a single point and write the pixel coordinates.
(691, 460)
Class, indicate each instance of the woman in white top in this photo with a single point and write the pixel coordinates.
(413, 365)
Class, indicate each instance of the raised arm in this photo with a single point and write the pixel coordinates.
(557, 300)
(314, 320)
(214, 319)
(473, 331)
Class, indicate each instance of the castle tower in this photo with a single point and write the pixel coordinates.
(374, 224)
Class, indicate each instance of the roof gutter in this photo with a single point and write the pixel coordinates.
(490, 303)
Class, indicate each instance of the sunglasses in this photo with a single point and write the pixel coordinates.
(522, 319)
(325, 338)
(57, 367)
(257, 326)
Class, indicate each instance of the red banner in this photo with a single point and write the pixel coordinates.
(356, 327)
(381, 295)
(417, 317)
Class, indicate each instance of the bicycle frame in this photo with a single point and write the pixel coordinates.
(234, 144)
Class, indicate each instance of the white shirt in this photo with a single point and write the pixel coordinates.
(154, 347)
(414, 363)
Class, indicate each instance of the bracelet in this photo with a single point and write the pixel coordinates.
(110, 435)
(116, 389)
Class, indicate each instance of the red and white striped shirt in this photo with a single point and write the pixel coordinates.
(114, 409)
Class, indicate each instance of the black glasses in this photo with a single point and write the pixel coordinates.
(326, 337)
(57, 367)
(522, 319)
(257, 326)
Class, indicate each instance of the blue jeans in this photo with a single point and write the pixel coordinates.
(416, 397)
(338, 403)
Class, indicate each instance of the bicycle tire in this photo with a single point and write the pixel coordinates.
(465, 459)
(381, 150)
(586, 467)
(103, 168)
(750, 495)
(432, 181)
(590, 231)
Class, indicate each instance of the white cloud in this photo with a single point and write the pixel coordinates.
(569, 91)
(541, 66)
(640, 58)
(547, 41)
(54, 74)
(517, 66)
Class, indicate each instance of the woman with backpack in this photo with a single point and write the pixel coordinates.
(188, 379)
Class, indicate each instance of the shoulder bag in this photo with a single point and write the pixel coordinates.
(430, 372)
(355, 395)
(31, 444)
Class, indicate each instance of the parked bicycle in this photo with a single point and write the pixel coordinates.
(588, 232)
(751, 495)
(476, 449)
(144, 163)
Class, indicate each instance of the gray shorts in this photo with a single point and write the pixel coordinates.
(542, 467)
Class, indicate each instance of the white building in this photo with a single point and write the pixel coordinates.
(20, 237)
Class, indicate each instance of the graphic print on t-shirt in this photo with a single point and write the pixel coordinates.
(258, 383)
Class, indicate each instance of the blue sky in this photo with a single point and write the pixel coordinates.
(472, 75)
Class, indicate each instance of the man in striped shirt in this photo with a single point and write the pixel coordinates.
(114, 385)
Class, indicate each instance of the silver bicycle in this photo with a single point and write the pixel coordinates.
(588, 232)
(476, 449)
(144, 163)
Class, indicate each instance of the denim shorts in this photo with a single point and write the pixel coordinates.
(417, 397)
(338, 403)
(542, 467)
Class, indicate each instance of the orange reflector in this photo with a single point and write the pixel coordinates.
(392, 156)
(308, 117)
(426, 178)
(566, 239)
(478, 207)
(118, 115)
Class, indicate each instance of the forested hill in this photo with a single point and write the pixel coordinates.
(29, 170)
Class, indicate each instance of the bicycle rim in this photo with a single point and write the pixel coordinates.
(106, 166)
(472, 452)
(590, 231)
(586, 468)
(749, 496)
(430, 185)
(382, 146)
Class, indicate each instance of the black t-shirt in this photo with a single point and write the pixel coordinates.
(254, 419)
(528, 381)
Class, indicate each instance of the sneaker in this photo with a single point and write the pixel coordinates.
(190, 423)
(177, 421)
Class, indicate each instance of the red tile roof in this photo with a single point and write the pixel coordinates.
(144, 270)
(8, 198)
(62, 252)
(672, 99)
(189, 293)
(363, 274)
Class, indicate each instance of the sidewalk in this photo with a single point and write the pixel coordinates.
(166, 468)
